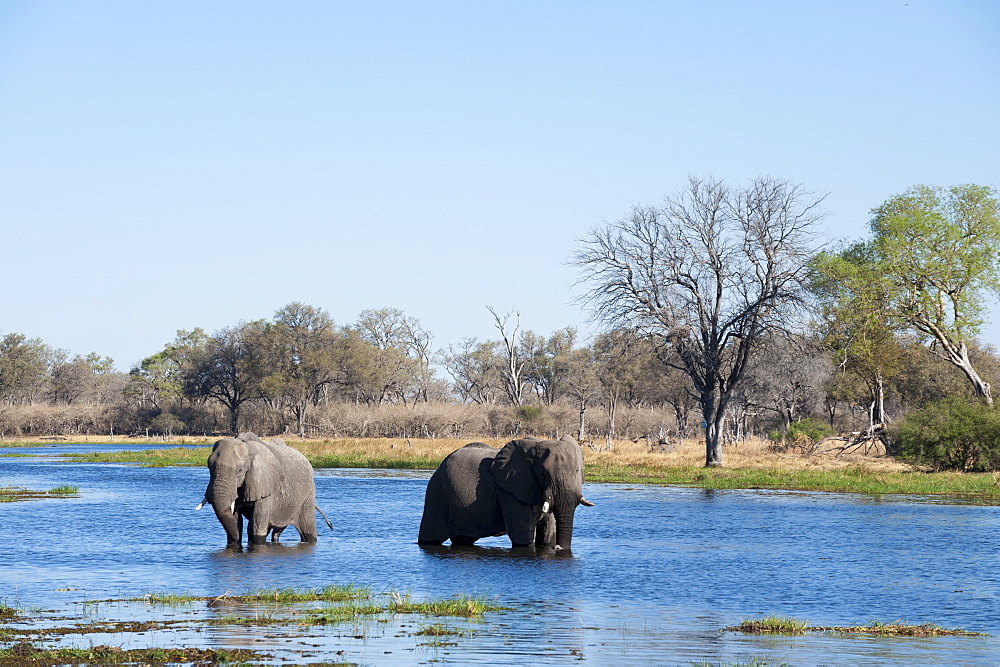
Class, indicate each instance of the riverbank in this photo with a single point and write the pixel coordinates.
(748, 465)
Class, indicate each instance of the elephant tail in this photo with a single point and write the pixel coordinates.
(324, 516)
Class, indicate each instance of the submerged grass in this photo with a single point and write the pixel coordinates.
(27, 653)
(11, 494)
(791, 626)
(900, 629)
(331, 593)
(459, 606)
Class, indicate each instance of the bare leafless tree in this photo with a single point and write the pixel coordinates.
(711, 272)
(513, 371)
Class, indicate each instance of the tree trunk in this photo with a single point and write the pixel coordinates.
(878, 403)
(713, 431)
(959, 355)
(582, 430)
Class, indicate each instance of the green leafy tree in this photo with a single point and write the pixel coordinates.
(936, 252)
(300, 350)
(24, 368)
(228, 369)
(159, 379)
(856, 321)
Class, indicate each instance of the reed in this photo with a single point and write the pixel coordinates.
(460, 606)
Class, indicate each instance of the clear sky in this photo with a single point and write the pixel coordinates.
(171, 165)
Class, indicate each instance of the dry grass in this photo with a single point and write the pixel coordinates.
(415, 448)
(753, 453)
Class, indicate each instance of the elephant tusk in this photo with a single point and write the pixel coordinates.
(585, 502)
(545, 507)
(232, 508)
(199, 505)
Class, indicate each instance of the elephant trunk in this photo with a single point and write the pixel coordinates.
(221, 493)
(230, 521)
(564, 525)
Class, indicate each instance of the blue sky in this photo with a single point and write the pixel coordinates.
(170, 165)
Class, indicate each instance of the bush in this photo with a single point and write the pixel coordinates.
(952, 434)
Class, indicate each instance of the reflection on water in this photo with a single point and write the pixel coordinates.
(653, 575)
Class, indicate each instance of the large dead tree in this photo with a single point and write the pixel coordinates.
(712, 271)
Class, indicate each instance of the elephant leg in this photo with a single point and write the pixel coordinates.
(276, 533)
(306, 523)
(258, 522)
(519, 520)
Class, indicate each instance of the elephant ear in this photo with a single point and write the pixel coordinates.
(513, 469)
(262, 475)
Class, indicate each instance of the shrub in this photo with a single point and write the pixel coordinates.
(951, 434)
(814, 429)
(804, 431)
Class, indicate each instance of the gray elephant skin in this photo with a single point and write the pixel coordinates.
(528, 489)
(267, 483)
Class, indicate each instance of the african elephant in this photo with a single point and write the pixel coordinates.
(266, 482)
(528, 489)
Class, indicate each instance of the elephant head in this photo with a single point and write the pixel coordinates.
(241, 471)
(546, 476)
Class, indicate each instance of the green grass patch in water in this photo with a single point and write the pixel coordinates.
(440, 630)
(10, 494)
(332, 593)
(771, 625)
(149, 458)
(966, 487)
(25, 652)
(341, 613)
(461, 606)
(790, 626)
(402, 461)
(900, 629)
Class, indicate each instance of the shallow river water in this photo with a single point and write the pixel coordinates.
(654, 575)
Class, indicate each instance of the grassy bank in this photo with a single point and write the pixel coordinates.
(751, 465)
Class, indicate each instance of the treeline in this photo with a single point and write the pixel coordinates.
(380, 376)
(723, 315)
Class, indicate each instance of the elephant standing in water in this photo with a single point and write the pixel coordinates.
(528, 489)
(266, 482)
